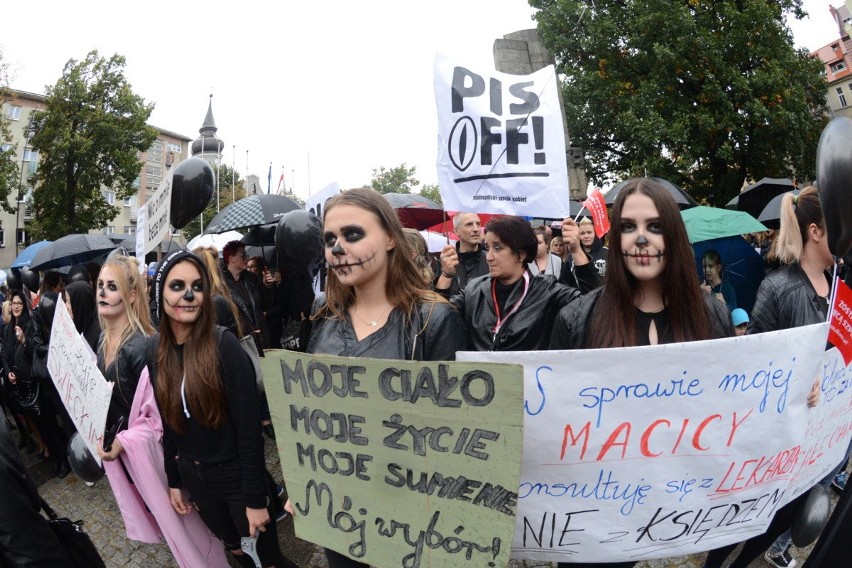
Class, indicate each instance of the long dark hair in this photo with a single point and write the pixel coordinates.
(205, 395)
(405, 285)
(612, 324)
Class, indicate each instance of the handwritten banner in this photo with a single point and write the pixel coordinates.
(399, 463)
(501, 141)
(156, 220)
(82, 387)
(667, 450)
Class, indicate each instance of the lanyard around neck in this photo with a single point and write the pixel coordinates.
(515, 307)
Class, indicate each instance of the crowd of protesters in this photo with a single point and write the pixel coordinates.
(189, 391)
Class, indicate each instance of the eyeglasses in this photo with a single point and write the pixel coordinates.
(242, 254)
(17, 304)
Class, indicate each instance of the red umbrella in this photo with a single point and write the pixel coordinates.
(447, 226)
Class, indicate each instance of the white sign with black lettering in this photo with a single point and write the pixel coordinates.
(501, 143)
(158, 210)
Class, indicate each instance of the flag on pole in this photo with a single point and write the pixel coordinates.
(269, 179)
(280, 181)
(596, 204)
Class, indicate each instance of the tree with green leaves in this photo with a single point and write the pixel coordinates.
(89, 138)
(9, 172)
(228, 193)
(701, 93)
(431, 191)
(395, 180)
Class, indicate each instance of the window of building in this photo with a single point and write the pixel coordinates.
(21, 237)
(839, 66)
(2, 238)
(5, 147)
(129, 229)
(155, 152)
(109, 197)
(130, 201)
(30, 155)
(109, 230)
(13, 112)
(841, 97)
(174, 147)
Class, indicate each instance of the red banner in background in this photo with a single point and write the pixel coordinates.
(840, 320)
(596, 204)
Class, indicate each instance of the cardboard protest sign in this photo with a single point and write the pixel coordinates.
(660, 451)
(82, 387)
(501, 141)
(399, 463)
(157, 215)
(316, 201)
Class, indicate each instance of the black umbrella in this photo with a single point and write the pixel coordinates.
(755, 197)
(771, 214)
(681, 197)
(415, 211)
(71, 249)
(260, 236)
(251, 211)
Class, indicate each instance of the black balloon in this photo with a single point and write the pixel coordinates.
(47, 307)
(13, 280)
(30, 279)
(192, 188)
(298, 240)
(82, 462)
(811, 516)
(834, 175)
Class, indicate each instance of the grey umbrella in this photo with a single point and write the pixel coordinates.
(681, 197)
(70, 250)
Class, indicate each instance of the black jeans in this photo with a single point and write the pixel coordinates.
(216, 490)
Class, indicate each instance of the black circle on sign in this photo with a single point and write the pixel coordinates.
(463, 143)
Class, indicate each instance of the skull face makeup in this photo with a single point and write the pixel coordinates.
(356, 245)
(642, 241)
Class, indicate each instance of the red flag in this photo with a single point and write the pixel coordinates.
(280, 182)
(840, 326)
(596, 204)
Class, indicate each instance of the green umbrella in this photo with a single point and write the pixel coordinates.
(705, 223)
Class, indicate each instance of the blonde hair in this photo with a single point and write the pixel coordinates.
(125, 269)
(798, 212)
(210, 257)
(420, 254)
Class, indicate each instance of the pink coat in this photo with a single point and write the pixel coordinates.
(187, 536)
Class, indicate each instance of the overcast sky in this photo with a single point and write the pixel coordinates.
(326, 91)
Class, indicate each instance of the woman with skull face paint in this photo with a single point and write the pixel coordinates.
(205, 389)
(131, 448)
(651, 275)
(377, 303)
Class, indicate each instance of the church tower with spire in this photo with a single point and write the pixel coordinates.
(208, 146)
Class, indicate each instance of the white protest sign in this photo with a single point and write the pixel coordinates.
(140, 238)
(82, 387)
(653, 452)
(501, 142)
(316, 202)
(157, 217)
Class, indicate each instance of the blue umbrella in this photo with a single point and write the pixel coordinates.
(26, 256)
(743, 266)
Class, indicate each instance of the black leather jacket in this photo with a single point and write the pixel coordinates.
(471, 265)
(124, 372)
(528, 329)
(435, 333)
(786, 299)
(251, 313)
(573, 321)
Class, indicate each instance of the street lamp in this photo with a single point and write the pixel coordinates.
(29, 135)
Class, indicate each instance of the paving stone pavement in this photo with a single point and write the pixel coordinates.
(96, 506)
